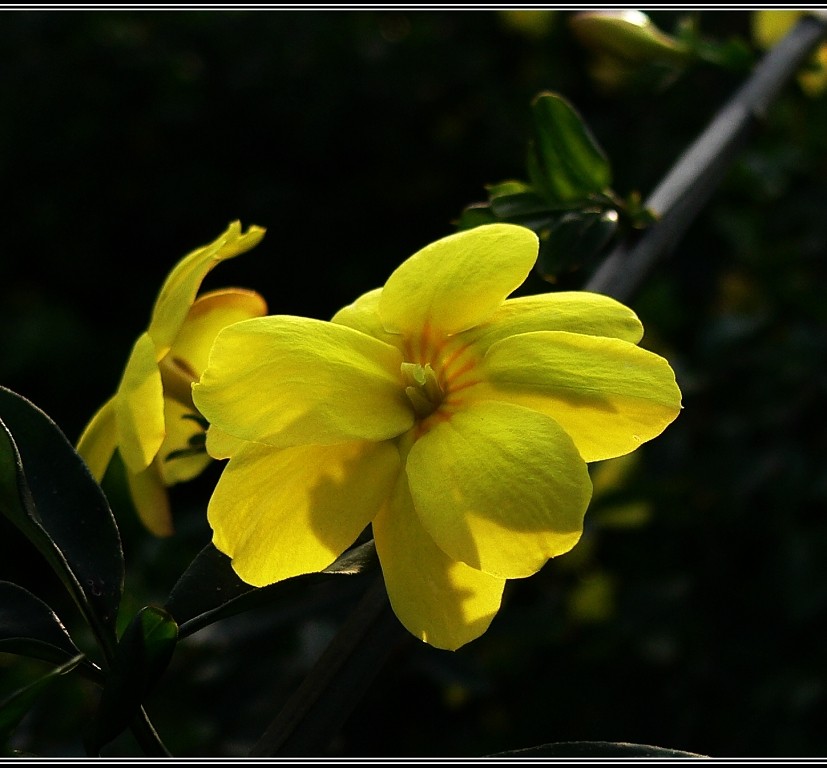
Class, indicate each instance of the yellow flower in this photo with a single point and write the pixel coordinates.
(151, 419)
(457, 423)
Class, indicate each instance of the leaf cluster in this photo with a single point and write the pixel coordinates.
(568, 200)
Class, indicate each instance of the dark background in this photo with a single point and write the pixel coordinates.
(692, 614)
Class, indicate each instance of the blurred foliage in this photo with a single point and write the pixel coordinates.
(629, 50)
(128, 137)
(769, 26)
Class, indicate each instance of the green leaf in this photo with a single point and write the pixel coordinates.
(565, 162)
(618, 749)
(210, 590)
(520, 204)
(141, 657)
(15, 707)
(503, 188)
(475, 215)
(734, 54)
(29, 627)
(47, 491)
(574, 240)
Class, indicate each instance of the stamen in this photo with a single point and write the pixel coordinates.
(422, 388)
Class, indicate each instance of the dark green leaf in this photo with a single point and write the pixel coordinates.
(47, 491)
(733, 54)
(141, 657)
(519, 204)
(210, 590)
(475, 215)
(15, 707)
(574, 240)
(565, 162)
(618, 749)
(28, 627)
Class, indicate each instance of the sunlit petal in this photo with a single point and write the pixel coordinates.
(439, 600)
(573, 311)
(291, 380)
(139, 407)
(458, 281)
(610, 396)
(363, 315)
(182, 284)
(281, 513)
(220, 445)
(207, 316)
(500, 487)
(150, 499)
(100, 438)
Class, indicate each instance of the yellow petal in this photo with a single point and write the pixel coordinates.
(220, 445)
(98, 442)
(184, 433)
(499, 487)
(208, 315)
(291, 380)
(281, 513)
(182, 284)
(363, 315)
(439, 600)
(574, 311)
(609, 395)
(150, 499)
(139, 407)
(458, 281)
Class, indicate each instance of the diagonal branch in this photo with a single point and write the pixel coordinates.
(693, 179)
(343, 673)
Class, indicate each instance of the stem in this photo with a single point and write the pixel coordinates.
(147, 737)
(690, 183)
(323, 701)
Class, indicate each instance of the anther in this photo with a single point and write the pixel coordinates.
(422, 388)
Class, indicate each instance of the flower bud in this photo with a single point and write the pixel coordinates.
(627, 34)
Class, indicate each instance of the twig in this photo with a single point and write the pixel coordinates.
(146, 735)
(311, 717)
(690, 183)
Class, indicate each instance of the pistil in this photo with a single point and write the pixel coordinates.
(422, 388)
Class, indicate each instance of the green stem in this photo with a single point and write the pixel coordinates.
(147, 737)
(690, 183)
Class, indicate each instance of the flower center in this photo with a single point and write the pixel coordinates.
(438, 375)
(422, 388)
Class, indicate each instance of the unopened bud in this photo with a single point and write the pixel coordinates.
(627, 35)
